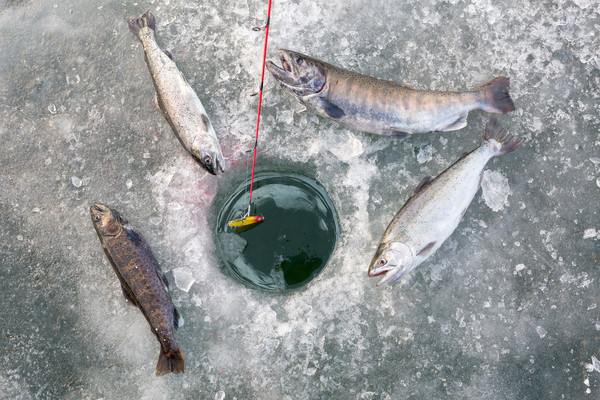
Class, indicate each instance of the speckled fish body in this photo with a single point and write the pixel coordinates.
(379, 106)
(142, 281)
(435, 209)
(177, 101)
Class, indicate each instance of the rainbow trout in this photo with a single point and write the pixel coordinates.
(143, 283)
(435, 208)
(176, 99)
(383, 107)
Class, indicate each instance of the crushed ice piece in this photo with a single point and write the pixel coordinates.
(541, 331)
(495, 190)
(589, 233)
(76, 181)
(596, 363)
(520, 267)
(52, 108)
(583, 3)
(598, 325)
(73, 79)
(425, 154)
(220, 395)
(285, 116)
(19, 237)
(345, 147)
(595, 160)
(128, 183)
(146, 155)
(183, 278)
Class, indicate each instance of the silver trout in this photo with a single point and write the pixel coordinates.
(383, 107)
(435, 208)
(143, 283)
(176, 99)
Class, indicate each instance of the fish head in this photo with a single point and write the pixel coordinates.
(208, 153)
(107, 221)
(300, 74)
(391, 260)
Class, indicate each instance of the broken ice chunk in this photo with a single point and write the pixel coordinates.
(495, 190)
(345, 147)
(425, 154)
(541, 331)
(183, 278)
(76, 181)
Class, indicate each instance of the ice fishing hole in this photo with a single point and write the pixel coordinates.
(293, 243)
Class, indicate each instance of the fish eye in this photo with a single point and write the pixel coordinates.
(299, 60)
(208, 160)
(382, 262)
(97, 218)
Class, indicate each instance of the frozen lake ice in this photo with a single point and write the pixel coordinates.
(507, 308)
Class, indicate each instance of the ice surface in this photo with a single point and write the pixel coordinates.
(76, 100)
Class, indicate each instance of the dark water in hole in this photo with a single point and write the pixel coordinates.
(293, 243)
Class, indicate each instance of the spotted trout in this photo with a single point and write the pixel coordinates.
(379, 106)
(143, 283)
(176, 99)
(435, 208)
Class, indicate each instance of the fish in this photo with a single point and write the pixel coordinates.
(176, 100)
(435, 208)
(143, 283)
(379, 106)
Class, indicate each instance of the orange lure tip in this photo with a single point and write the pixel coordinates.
(245, 221)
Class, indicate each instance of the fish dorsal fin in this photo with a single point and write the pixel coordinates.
(424, 182)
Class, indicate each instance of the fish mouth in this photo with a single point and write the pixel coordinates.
(98, 208)
(390, 274)
(286, 74)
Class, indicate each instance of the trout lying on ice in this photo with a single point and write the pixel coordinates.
(384, 107)
(436, 207)
(176, 99)
(143, 283)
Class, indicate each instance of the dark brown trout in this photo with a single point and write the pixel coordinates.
(143, 282)
(379, 106)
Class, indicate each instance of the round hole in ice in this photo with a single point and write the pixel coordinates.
(294, 241)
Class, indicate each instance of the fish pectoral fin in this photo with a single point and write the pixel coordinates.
(162, 276)
(425, 250)
(128, 295)
(159, 105)
(169, 54)
(424, 182)
(177, 318)
(460, 123)
(398, 134)
(403, 84)
(331, 109)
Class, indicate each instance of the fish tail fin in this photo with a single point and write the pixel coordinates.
(496, 138)
(170, 360)
(137, 25)
(495, 97)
